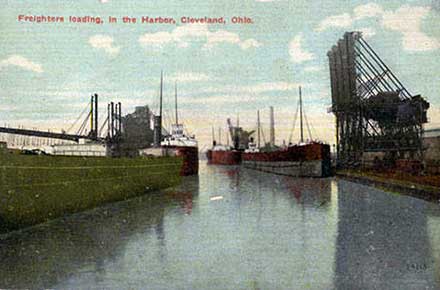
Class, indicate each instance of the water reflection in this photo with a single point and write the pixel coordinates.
(382, 241)
(86, 243)
(233, 228)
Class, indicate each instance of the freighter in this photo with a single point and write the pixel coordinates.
(306, 159)
(177, 143)
(229, 155)
(224, 154)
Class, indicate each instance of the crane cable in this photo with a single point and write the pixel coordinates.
(102, 127)
(79, 117)
(308, 127)
(83, 125)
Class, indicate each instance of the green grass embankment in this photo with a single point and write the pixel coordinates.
(34, 189)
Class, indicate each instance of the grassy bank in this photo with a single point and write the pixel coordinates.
(426, 187)
(34, 189)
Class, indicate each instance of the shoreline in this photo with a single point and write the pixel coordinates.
(421, 191)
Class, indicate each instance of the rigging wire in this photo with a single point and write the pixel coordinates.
(79, 117)
(83, 125)
(307, 125)
(102, 126)
(294, 123)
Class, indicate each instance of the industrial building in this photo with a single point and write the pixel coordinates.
(136, 130)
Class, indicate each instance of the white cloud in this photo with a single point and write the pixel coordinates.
(188, 77)
(297, 53)
(216, 37)
(182, 36)
(312, 68)
(408, 21)
(346, 20)
(253, 89)
(367, 10)
(22, 62)
(7, 108)
(367, 32)
(218, 99)
(272, 86)
(339, 21)
(105, 43)
(248, 43)
(157, 39)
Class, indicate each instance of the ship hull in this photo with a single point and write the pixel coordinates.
(209, 155)
(224, 157)
(35, 189)
(310, 160)
(190, 157)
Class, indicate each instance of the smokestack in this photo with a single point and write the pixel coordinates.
(112, 118)
(116, 119)
(213, 137)
(272, 127)
(158, 119)
(120, 118)
(157, 130)
(92, 125)
(109, 118)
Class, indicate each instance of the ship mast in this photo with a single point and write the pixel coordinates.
(175, 100)
(161, 91)
(213, 136)
(301, 115)
(258, 128)
(219, 135)
(158, 119)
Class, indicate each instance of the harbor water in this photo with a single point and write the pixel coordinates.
(235, 228)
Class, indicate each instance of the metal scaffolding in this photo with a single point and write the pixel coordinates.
(374, 111)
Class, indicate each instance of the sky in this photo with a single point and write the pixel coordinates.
(49, 70)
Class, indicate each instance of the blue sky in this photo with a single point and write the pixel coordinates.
(49, 70)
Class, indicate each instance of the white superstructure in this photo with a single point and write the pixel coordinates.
(252, 148)
(178, 138)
